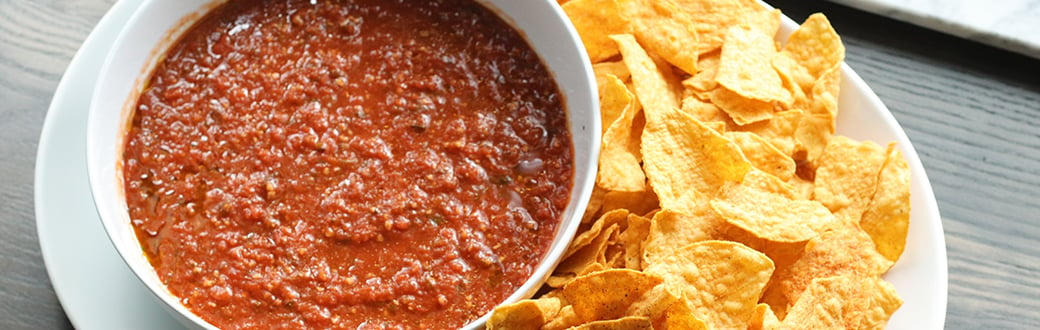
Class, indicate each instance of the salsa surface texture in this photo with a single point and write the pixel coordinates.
(347, 164)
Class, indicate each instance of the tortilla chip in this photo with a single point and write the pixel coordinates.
(841, 250)
(671, 230)
(588, 251)
(707, 67)
(817, 126)
(595, 21)
(654, 86)
(763, 155)
(778, 130)
(887, 218)
(586, 237)
(844, 302)
(632, 239)
(686, 161)
(608, 294)
(525, 314)
(655, 303)
(711, 19)
(802, 188)
(663, 29)
(771, 216)
(624, 323)
(847, 177)
(745, 71)
(766, 22)
(742, 110)
(721, 280)
(815, 46)
(783, 254)
(765, 182)
(566, 319)
(619, 168)
(614, 99)
(667, 309)
(638, 202)
(704, 111)
(796, 79)
(763, 318)
(595, 203)
(615, 68)
(679, 316)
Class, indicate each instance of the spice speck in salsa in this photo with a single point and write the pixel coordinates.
(347, 164)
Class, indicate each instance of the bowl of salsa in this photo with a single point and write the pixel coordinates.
(343, 164)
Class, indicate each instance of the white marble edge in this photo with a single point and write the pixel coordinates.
(1009, 24)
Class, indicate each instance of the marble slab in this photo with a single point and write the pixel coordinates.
(1010, 24)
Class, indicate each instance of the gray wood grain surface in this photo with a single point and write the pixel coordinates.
(37, 41)
(972, 112)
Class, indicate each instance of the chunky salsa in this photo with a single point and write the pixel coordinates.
(347, 164)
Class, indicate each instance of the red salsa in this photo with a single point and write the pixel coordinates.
(347, 164)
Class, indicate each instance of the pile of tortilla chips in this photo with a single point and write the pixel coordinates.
(724, 199)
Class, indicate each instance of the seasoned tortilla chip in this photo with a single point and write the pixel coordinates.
(844, 302)
(842, 250)
(655, 303)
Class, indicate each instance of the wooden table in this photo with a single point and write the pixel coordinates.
(972, 112)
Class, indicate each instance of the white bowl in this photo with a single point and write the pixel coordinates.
(156, 25)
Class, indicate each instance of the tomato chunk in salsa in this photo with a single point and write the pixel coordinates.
(346, 164)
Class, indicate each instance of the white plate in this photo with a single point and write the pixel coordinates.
(98, 291)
